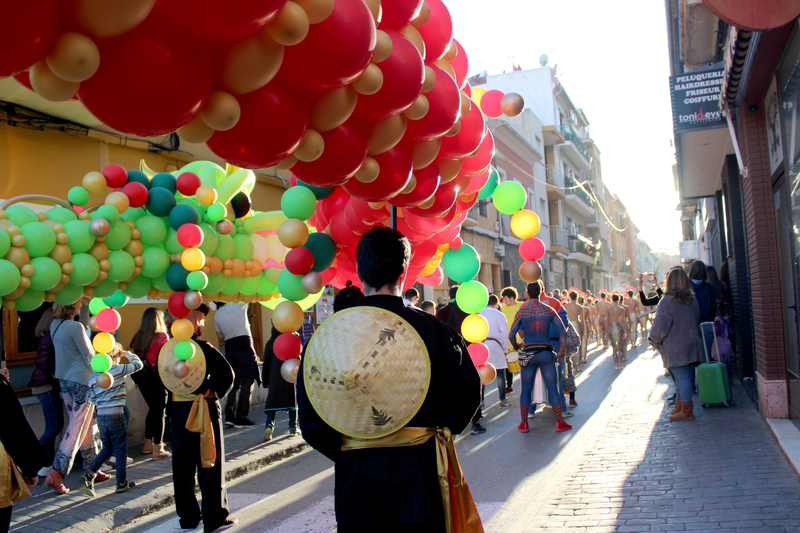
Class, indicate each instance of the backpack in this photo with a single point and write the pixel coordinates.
(705, 301)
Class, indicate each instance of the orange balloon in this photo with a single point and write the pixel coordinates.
(251, 65)
(291, 25)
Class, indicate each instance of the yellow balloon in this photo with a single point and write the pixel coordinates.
(287, 317)
(193, 259)
(95, 183)
(525, 224)
(475, 328)
(206, 195)
(477, 94)
(268, 220)
(293, 233)
(103, 342)
(182, 329)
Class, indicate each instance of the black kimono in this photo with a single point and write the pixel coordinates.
(280, 393)
(186, 460)
(397, 489)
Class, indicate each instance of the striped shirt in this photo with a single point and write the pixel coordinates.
(114, 400)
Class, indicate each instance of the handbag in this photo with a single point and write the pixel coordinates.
(512, 360)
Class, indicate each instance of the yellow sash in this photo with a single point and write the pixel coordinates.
(461, 514)
(13, 486)
(199, 421)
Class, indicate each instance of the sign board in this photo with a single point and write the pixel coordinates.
(690, 250)
(695, 99)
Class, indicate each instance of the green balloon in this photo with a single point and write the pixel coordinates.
(509, 197)
(243, 247)
(5, 242)
(232, 286)
(116, 300)
(31, 299)
(81, 238)
(138, 288)
(122, 266)
(216, 212)
(40, 239)
(472, 297)
(298, 202)
(215, 283)
(160, 284)
(487, 190)
(172, 245)
(119, 236)
(9, 277)
(291, 286)
(101, 362)
(96, 305)
(184, 350)
(85, 269)
(21, 215)
(250, 286)
(197, 281)
(108, 212)
(133, 214)
(153, 230)
(61, 215)
(210, 239)
(69, 294)
(266, 286)
(106, 288)
(46, 273)
(226, 247)
(462, 264)
(155, 262)
(323, 249)
(78, 196)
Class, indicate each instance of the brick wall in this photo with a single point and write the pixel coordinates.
(762, 246)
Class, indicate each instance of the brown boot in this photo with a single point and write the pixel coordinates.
(685, 414)
(676, 408)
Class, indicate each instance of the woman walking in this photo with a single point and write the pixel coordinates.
(676, 336)
(147, 343)
(280, 395)
(73, 351)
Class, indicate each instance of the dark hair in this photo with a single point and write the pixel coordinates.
(349, 297)
(630, 294)
(453, 291)
(602, 295)
(573, 295)
(509, 292)
(152, 323)
(615, 298)
(711, 272)
(581, 300)
(493, 301)
(556, 291)
(534, 290)
(412, 293)
(427, 304)
(382, 257)
(203, 309)
(698, 271)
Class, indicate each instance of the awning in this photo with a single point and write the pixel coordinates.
(702, 154)
(756, 15)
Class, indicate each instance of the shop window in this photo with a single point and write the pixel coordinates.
(19, 339)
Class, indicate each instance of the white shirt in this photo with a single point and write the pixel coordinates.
(498, 330)
(231, 321)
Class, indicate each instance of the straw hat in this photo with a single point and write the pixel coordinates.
(366, 372)
(195, 371)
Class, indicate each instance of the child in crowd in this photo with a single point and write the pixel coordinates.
(112, 418)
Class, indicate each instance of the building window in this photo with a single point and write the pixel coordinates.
(542, 207)
(506, 278)
(482, 211)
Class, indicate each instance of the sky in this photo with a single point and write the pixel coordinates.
(613, 60)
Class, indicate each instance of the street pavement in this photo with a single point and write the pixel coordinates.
(625, 467)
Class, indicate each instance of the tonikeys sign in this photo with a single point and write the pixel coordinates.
(695, 99)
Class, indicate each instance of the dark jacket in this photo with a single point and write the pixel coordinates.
(16, 435)
(397, 489)
(45, 364)
(452, 315)
(219, 374)
(280, 393)
(241, 355)
(706, 300)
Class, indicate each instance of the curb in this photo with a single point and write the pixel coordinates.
(788, 437)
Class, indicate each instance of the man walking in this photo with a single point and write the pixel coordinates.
(575, 339)
(233, 331)
(510, 308)
(496, 341)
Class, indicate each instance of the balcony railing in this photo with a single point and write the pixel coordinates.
(558, 236)
(572, 136)
(577, 191)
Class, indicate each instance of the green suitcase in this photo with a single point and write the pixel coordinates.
(712, 376)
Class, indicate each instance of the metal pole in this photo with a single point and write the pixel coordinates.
(394, 217)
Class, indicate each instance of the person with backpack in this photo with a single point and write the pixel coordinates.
(703, 291)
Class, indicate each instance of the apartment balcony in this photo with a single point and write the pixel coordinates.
(579, 200)
(578, 251)
(574, 148)
(559, 242)
(552, 135)
(555, 182)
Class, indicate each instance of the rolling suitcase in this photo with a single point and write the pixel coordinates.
(712, 376)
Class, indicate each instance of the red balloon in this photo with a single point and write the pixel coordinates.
(30, 30)
(444, 200)
(398, 13)
(456, 243)
(531, 249)
(328, 275)
(445, 107)
(434, 280)
(482, 158)
(477, 181)
(136, 192)
(394, 175)
(403, 76)
(190, 235)
(176, 306)
(472, 132)
(460, 64)
(108, 320)
(345, 150)
(116, 175)
(479, 353)
(437, 32)
(428, 181)
(336, 51)
(188, 183)
(287, 346)
(204, 19)
(492, 103)
(299, 261)
(272, 124)
(342, 233)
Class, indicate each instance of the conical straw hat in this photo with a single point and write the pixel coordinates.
(366, 372)
(166, 365)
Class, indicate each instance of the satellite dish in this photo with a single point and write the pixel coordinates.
(543, 59)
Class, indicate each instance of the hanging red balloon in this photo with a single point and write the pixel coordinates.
(492, 103)
(30, 31)
(147, 84)
(460, 64)
(287, 346)
(477, 181)
(345, 150)
(479, 353)
(445, 107)
(272, 124)
(188, 183)
(443, 201)
(531, 249)
(204, 19)
(176, 306)
(434, 280)
(427, 182)
(482, 158)
(394, 176)
(299, 261)
(398, 13)
(336, 50)
(468, 139)
(437, 32)
(136, 192)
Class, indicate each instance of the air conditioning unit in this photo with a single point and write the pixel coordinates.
(499, 250)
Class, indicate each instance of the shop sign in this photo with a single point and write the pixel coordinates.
(695, 99)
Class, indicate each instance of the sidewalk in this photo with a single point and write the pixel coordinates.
(244, 452)
(723, 472)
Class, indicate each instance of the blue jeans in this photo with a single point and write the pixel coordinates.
(53, 411)
(546, 362)
(684, 382)
(114, 433)
(560, 367)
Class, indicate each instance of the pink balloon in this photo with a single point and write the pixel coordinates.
(108, 320)
(492, 103)
(531, 249)
(479, 353)
(434, 280)
(190, 235)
